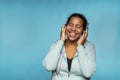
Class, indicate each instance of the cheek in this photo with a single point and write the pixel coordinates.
(80, 32)
(67, 30)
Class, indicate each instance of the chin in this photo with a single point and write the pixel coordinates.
(73, 39)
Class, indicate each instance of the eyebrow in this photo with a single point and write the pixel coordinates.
(76, 24)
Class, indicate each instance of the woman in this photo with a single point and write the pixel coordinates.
(73, 56)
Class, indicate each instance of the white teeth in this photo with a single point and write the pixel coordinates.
(72, 34)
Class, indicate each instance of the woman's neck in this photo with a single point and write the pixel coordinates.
(71, 43)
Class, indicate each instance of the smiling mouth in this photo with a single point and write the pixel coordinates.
(72, 34)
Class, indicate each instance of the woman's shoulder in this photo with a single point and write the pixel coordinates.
(57, 42)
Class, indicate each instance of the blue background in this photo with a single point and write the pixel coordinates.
(27, 29)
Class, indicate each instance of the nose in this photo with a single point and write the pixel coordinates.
(73, 27)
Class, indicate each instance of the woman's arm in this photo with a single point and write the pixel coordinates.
(51, 60)
(87, 59)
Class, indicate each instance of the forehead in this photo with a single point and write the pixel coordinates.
(76, 20)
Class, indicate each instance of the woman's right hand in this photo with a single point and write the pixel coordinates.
(63, 33)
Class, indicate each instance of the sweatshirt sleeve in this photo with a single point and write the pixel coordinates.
(87, 59)
(50, 62)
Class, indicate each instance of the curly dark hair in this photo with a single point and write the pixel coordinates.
(81, 16)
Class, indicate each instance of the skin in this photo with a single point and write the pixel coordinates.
(75, 36)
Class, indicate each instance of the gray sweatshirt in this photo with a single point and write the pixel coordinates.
(83, 64)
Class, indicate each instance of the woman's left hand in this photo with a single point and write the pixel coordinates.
(63, 33)
(82, 38)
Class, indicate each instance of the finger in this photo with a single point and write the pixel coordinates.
(63, 27)
(85, 33)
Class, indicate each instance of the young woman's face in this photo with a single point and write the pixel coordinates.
(74, 28)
